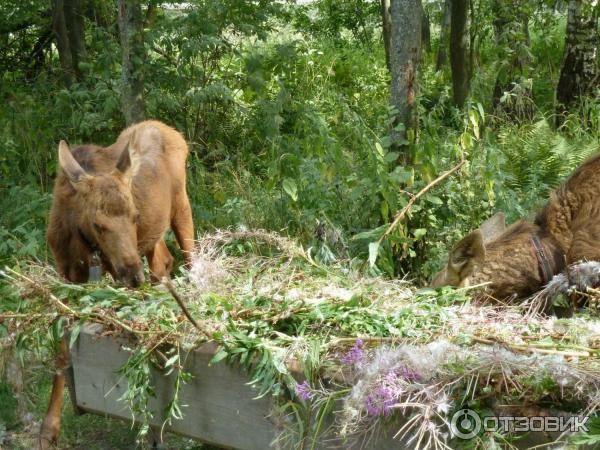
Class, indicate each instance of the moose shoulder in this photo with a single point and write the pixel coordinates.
(119, 201)
(521, 259)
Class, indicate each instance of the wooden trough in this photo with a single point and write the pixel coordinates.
(220, 407)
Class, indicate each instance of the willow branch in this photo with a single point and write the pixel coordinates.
(165, 281)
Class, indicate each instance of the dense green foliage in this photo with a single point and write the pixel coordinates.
(286, 112)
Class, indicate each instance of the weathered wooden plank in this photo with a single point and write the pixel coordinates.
(220, 406)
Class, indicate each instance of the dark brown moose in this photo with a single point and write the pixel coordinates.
(117, 202)
(520, 260)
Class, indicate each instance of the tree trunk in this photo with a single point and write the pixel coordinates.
(75, 27)
(579, 72)
(386, 21)
(405, 42)
(63, 46)
(442, 55)
(69, 31)
(151, 13)
(99, 13)
(425, 31)
(37, 56)
(459, 51)
(133, 55)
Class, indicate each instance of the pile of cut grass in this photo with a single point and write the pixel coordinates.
(380, 347)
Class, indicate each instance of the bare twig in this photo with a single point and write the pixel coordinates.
(181, 304)
(400, 215)
(531, 348)
(65, 309)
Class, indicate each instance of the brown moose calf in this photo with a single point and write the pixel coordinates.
(520, 260)
(117, 202)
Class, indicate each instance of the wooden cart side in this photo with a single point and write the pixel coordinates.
(218, 404)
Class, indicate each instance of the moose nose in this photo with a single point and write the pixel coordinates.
(132, 275)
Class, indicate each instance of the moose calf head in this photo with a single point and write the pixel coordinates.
(505, 259)
(105, 214)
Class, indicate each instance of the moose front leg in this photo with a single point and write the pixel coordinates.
(51, 424)
(160, 261)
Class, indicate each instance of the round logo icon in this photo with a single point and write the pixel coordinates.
(465, 424)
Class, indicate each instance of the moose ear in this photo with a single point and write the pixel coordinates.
(493, 227)
(125, 165)
(465, 256)
(124, 162)
(69, 165)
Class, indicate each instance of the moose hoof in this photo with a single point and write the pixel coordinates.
(47, 438)
(45, 443)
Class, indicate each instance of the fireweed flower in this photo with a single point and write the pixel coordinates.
(355, 355)
(380, 402)
(407, 373)
(303, 391)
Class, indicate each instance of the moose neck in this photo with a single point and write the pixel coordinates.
(521, 261)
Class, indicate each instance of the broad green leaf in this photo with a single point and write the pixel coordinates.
(290, 188)
(390, 157)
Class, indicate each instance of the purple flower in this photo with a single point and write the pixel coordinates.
(380, 401)
(304, 391)
(355, 354)
(407, 373)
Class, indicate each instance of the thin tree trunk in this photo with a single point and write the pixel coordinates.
(405, 43)
(425, 31)
(37, 56)
(75, 28)
(151, 13)
(442, 55)
(133, 55)
(459, 51)
(98, 13)
(61, 34)
(472, 38)
(386, 21)
(579, 72)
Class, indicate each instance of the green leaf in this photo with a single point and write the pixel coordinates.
(74, 334)
(419, 233)
(219, 356)
(466, 141)
(373, 251)
(172, 360)
(434, 200)
(290, 188)
(481, 113)
(473, 118)
(390, 157)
